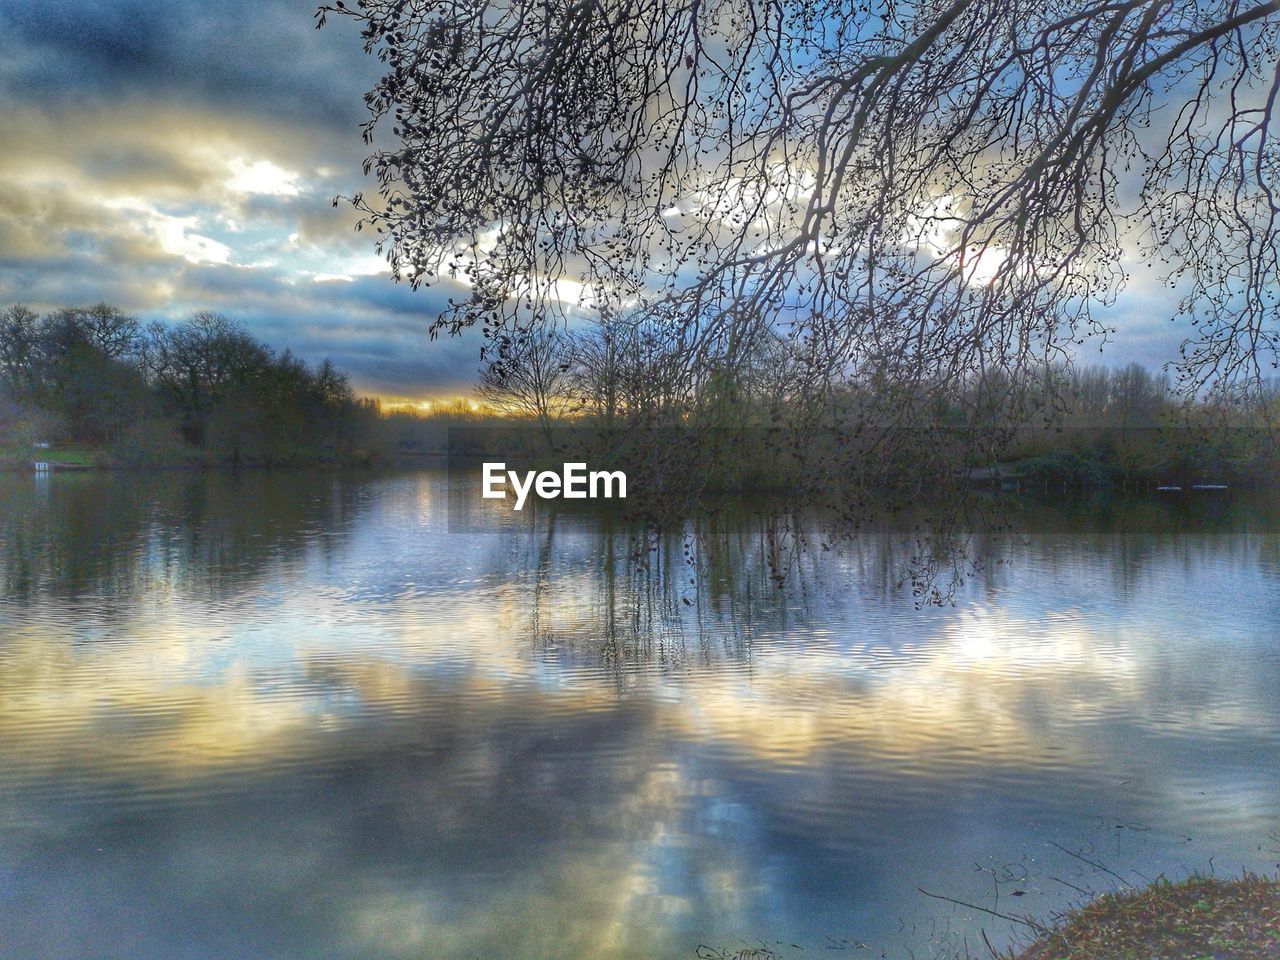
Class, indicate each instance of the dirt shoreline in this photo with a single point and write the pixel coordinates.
(1200, 918)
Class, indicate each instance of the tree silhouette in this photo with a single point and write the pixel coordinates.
(529, 375)
(924, 189)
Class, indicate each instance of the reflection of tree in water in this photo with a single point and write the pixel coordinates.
(688, 597)
(694, 592)
(693, 597)
(208, 533)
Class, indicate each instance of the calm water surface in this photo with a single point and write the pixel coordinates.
(294, 716)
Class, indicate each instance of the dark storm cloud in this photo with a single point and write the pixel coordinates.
(261, 55)
(392, 363)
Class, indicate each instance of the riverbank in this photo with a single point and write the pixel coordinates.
(79, 457)
(1200, 918)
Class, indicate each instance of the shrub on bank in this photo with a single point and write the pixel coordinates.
(1200, 918)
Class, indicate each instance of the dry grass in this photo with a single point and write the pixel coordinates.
(1200, 918)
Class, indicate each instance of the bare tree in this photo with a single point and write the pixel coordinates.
(19, 344)
(528, 373)
(111, 330)
(955, 185)
(198, 361)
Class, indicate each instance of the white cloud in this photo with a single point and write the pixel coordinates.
(175, 234)
(176, 237)
(261, 176)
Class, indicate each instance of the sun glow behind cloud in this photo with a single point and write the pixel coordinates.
(263, 177)
(934, 231)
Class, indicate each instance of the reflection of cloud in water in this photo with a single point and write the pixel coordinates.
(465, 826)
(177, 699)
(346, 730)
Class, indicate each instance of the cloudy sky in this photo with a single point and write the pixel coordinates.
(180, 155)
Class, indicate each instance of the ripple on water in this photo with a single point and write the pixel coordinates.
(333, 699)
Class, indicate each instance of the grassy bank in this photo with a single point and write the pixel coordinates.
(1200, 918)
(22, 458)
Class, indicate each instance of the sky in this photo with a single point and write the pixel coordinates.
(169, 157)
(173, 156)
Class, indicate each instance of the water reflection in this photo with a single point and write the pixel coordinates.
(292, 715)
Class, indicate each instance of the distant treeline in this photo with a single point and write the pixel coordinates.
(200, 391)
(779, 415)
(205, 391)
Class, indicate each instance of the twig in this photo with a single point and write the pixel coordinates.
(994, 955)
(973, 906)
(1087, 893)
(1092, 863)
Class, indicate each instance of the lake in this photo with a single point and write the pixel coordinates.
(319, 715)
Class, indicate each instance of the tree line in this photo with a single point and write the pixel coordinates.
(621, 392)
(203, 390)
(761, 423)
